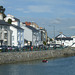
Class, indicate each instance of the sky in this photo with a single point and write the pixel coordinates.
(53, 15)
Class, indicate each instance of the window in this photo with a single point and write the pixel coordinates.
(5, 28)
(0, 27)
(12, 38)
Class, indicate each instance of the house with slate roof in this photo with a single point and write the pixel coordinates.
(73, 43)
(5, 33)
(62, 39)
(43, 34)
(15, 20)
(11, 34)
(32, 34)
(17, 36)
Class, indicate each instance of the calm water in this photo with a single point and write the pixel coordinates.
(61, 66)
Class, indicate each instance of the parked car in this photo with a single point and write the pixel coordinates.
(26, 47)
(57, 46)
(9, 47)
(50, 45)
(0, 47)
(42, 47)
(15, 48)
(3, 48)
(54, 46)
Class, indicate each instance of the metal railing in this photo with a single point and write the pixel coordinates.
(29, 49)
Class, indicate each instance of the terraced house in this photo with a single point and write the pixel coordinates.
(5, 32)
(17, 31)
(32, 34)
(11, 34)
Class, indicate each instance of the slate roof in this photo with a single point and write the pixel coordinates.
(63, 38)
(32, 28)
(67, 38)
(17, 27)
(16, 19)
(2, 22)
(61, 35)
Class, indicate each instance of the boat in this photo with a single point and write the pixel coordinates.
(45, 61)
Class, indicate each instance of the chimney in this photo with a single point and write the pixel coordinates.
(1, 16)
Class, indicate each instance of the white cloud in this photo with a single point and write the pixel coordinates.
(72, 27)
(56, 21)
(56, 2)
(39, 9)
(9, 7)
(2, 2)
(19, 9)
(73, 13)
(26, 12)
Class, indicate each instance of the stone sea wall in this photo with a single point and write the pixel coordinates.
(12, 57)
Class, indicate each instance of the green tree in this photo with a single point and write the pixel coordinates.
(44, 42)
(51, 39)
(9, 21)
(2, 10)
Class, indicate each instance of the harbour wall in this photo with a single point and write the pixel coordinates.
(12, 57)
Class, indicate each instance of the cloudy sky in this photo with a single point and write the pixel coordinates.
(49, 14)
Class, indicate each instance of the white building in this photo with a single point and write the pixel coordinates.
(5, 33)
(17, 36)
(32, 34)
(62, 39)
(17, 31)
(73, 43)
(15, 21)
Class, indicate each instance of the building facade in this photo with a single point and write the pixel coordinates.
(62, 39)
(15, 21)
(17, 36)
(5, 33)
(31, 34)
(43, 34)
(17, 32)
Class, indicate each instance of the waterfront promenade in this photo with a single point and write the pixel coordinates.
(12, 57)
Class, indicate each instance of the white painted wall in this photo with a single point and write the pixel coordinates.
(20, 37)
(73, 45)
(14, 36)
(17, 23)
(66, 42)
(31, 36)
(27, 33)
(1, 16)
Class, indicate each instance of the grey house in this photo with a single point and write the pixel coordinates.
(43, 34)
(35, 36)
